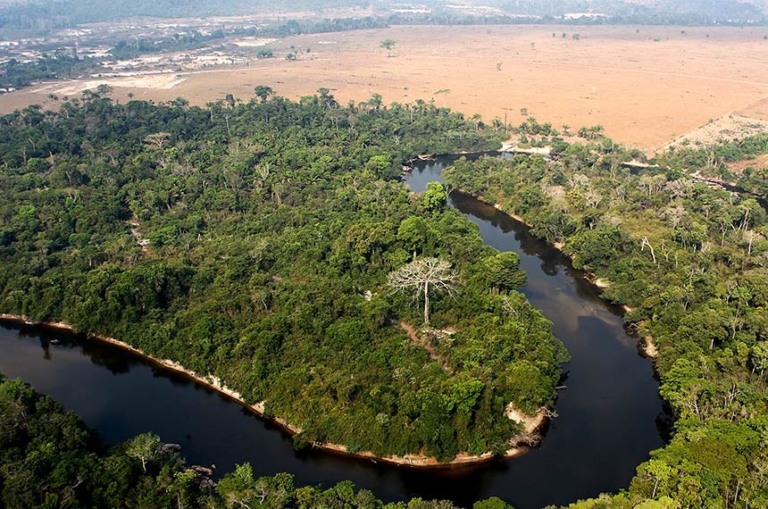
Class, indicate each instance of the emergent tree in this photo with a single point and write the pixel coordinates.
(422, 276)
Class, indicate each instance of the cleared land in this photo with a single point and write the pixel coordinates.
(646, 85)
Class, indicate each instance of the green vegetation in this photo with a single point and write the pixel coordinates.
(182, 41)
(690, 260)
(712, 161)
(388, 44)
(254, 242)
(14, 74)
(49, 459)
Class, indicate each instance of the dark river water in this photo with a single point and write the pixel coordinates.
(607, 421)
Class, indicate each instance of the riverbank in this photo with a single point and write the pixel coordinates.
(648, 347)
(518, 445)
(646, 344)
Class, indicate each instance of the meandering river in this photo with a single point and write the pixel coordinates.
(607, 421)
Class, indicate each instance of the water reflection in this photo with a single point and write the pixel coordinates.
(606, 424)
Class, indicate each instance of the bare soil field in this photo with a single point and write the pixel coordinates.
(646, 85)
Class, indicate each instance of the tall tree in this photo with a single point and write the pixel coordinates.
(503, 271)
(435, 197)
(421, 277)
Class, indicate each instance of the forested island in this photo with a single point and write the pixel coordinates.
(271, 248)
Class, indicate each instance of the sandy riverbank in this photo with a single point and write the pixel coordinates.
(518, 445)
(648, 347)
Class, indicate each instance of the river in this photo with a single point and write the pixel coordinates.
(607, 421)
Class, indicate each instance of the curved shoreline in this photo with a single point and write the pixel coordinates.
(588, 275)
(518, 445)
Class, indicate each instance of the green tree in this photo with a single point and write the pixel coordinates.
(388, 44)
(492, 503)
(263, 92)
(435, 197)
(502, 271)
(413, 233)
(660, 474)
(146, 447)
(239, 488)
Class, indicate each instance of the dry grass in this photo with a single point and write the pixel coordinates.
(646, 85)
(730, 127)
(757, 163)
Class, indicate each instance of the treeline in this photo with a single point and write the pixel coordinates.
(42, 17)
(50, 459)
(183, 41)
(15, 74)
(254, 242)
(664, 12)
(36, 15)
(690, 260)
(194, 39)
(712, 161)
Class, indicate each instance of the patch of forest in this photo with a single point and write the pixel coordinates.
(16, 75)
(689, 259)
(271, 244)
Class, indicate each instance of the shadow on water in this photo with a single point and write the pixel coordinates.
(606, 424)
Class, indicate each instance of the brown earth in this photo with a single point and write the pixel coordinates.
(423, 342)
(756, 163)
(646, 85)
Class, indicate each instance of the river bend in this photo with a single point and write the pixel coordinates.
(607, 421)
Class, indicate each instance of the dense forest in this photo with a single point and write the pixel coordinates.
(49, 459)
(272, 245)
(689, 260)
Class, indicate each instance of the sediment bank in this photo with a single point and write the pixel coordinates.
(518, 445)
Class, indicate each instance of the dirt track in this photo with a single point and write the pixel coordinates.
(646, 85)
